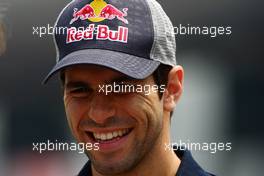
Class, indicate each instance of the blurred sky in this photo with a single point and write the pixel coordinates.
(222, 100)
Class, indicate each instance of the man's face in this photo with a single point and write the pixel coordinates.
(126, 125)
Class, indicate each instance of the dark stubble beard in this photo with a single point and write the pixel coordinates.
(140, 150)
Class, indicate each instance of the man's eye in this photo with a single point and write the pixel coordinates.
(80, 91)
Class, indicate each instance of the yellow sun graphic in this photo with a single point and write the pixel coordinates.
(97, 5)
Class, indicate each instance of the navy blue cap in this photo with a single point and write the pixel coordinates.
(120, 35)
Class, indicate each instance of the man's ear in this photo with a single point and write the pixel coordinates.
(174, 88)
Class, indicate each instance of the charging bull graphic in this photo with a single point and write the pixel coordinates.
(85, 13)
(93, 13)
(110, 12)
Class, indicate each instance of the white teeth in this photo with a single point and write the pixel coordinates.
(115, 134)
(103, 136)
(95, 135)
(110, 135)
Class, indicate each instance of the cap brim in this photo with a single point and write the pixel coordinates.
(133, 66)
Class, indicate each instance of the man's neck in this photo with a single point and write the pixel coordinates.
(160, 161)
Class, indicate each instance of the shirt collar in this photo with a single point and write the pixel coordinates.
(188, 166)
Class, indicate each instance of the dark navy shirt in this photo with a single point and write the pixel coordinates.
(188, 166)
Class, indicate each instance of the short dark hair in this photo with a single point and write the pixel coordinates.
(161, 76)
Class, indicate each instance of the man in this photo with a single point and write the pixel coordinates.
(110, 45)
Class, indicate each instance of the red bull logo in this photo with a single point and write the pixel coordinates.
(85, 13)
(101, 32)
(110, 12)
(99, 10)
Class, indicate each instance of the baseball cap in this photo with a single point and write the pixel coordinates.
(133, 37)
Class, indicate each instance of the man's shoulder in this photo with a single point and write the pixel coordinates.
(188, 166)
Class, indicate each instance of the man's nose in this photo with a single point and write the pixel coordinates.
(101, 108)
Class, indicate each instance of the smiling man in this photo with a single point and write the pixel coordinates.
(131, 45)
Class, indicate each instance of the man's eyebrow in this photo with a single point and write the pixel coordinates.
(120, 79)
(74, 84)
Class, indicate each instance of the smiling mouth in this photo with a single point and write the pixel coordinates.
(109, 136)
